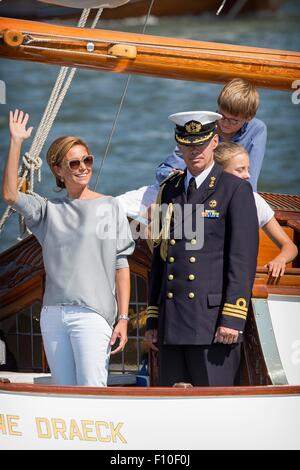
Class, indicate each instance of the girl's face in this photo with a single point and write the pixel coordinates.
(239, 166)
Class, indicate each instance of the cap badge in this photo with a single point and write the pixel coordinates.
(212, 203)
(193, 127)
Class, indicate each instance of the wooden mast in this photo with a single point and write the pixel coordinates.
(147, 55)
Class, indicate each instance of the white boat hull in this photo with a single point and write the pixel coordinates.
(110, 422)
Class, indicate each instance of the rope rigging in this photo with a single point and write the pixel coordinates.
(31, 161)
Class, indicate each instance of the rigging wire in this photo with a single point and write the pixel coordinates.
(120, 107)
(221, 7)
(31, 162)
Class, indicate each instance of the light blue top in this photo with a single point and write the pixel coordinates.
(252, 136)
(83, 241)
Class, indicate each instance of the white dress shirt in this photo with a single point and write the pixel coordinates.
(199, 179)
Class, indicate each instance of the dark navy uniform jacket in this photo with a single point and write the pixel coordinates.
(194, 291)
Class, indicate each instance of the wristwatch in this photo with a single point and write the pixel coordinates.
(123, 316)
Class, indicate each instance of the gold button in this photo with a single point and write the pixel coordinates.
(170, 295)
(170, 277)
(191, 295)
(171, 259)
(192, 259)
(172, 242)
(194, 241)
(191, 277)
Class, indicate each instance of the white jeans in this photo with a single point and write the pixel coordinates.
(76, 342)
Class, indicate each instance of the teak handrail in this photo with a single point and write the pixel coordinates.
(153, 391)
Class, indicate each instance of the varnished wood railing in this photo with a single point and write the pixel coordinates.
(152, 391)
(21, 277)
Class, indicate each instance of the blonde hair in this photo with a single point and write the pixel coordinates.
(239, 98)
(225, 151)
(57, 152)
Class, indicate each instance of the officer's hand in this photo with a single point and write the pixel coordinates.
(151, 338)
(226, 335)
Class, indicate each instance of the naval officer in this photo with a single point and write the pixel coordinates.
(200, 289)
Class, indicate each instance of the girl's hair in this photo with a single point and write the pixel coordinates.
(239, 98)
(225, 151)
(57, 152)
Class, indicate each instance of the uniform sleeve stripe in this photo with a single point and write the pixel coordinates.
(234, 315)
(233, 310)
(237, 307)
(152, 315)
(152, 310)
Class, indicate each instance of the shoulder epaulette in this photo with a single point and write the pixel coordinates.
(170, 177)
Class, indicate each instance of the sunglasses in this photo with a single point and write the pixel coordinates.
(231, 121)
(74, 165)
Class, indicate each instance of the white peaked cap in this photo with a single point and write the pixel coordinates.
(204, 117)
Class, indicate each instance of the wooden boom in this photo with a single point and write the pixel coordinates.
(147, 55)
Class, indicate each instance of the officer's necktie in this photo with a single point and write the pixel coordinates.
(192, 188)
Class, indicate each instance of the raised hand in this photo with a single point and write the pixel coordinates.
(17, 125)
